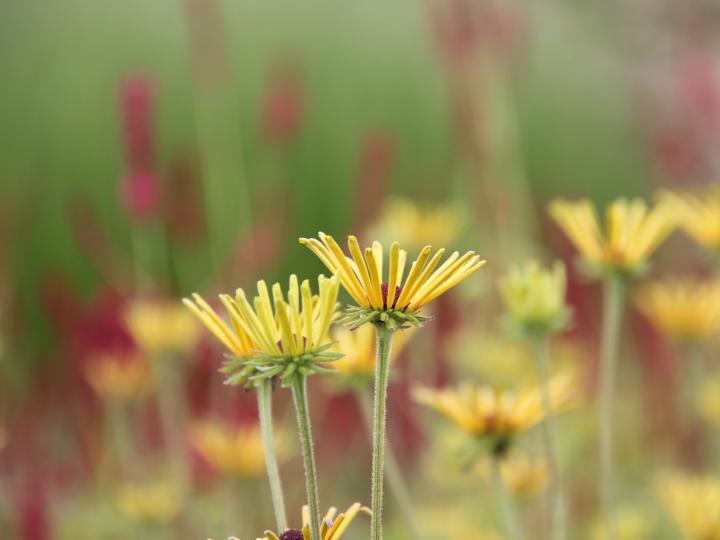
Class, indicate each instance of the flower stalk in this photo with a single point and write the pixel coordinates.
(264, 399)
(299, 392)
(614, 294)
(507, 507)
(382, 375)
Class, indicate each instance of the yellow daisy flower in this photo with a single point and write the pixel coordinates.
(332, 528)
(158, 502)
(495, 413)
(161, 327)
(698, 214)
(358, 349)
(233, 450)
(387, 299)
(694, 504)
(682, 309)
(116, 377)
(633, 232)
(522, 475)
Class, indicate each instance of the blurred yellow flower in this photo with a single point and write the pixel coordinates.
(392, 301)
(698, 214)
(694, 504)
(158, 502)
(683, 310)
(497, 413)
(633, 232)
(161, 327)
(332, 528)
(118, 376)
(707, 400)
(233, 450)
(535, 297)
(358, 347)
(416, 226)
(522, 475)
(632, 524)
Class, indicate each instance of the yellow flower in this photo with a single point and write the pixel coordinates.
(683, 310)
(232, 450)
(417, 226)
(120, 377)
(632, 524)
(267, 342)
(161, 327)
(389, 299)
(535, 297)
(332, 528)
(707, 400)
(523, 476)
(633, 232)
(358, 348)
(158, 502)
(486, 411)
(698, 214)
(694, 504)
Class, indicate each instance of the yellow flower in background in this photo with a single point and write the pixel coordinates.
(534, 297)
(387, 298)
(707, 400)
(233, 450)
(332, 528)
(487, 411)
(682, 309)
(694, 504)
(698, 214)
(158, 502)
(632, 231)
(161, 327)
(522, 475)
(415, 226)
(358, 349)
(118, 376)
(631, 523)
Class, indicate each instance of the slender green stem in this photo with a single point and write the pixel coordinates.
(614, 293)
(121, 436)
(382, 375)
(299, 390)
(395, 479)
(557, 499)
(264, 398)
(507, 506)
(168, 381)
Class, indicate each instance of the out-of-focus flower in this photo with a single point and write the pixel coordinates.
(521, 474)
(140, 194)
(632, 524)
(158, 501)
(495, 413)
(358, 347)
(391, 302)
(292, 339)
(161, 327)
(415, 226)
(233, 450)
(698, 215)
(283, 104)
(633, 232)
(707, 400)
(535, 297)
(683, 310)
(694, 504)
(118, 376)
(332, 528)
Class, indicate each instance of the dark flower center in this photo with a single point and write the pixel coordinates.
(384, 289)
(292, 534)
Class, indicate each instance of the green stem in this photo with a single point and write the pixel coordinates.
(395, 479)
(299, 390)
(168, 381)
(507, 507)
(264, 398)
(614, 293)
(382, 375)
(557, 500)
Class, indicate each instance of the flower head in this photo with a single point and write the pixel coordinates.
(387, 299)
(157, 501)
(683, 310)
(521, 474)
(161, 327)
(633, 232)
(535, 297)
(694, 504)
(497, 414)
(118, 376)
(332, 528)
(698, 215)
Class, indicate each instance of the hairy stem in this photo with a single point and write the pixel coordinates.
(264, 398)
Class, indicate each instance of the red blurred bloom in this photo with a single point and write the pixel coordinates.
(140, 194)
(283, 104)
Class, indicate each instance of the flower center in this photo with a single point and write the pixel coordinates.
(292, 534)
(384, 289)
